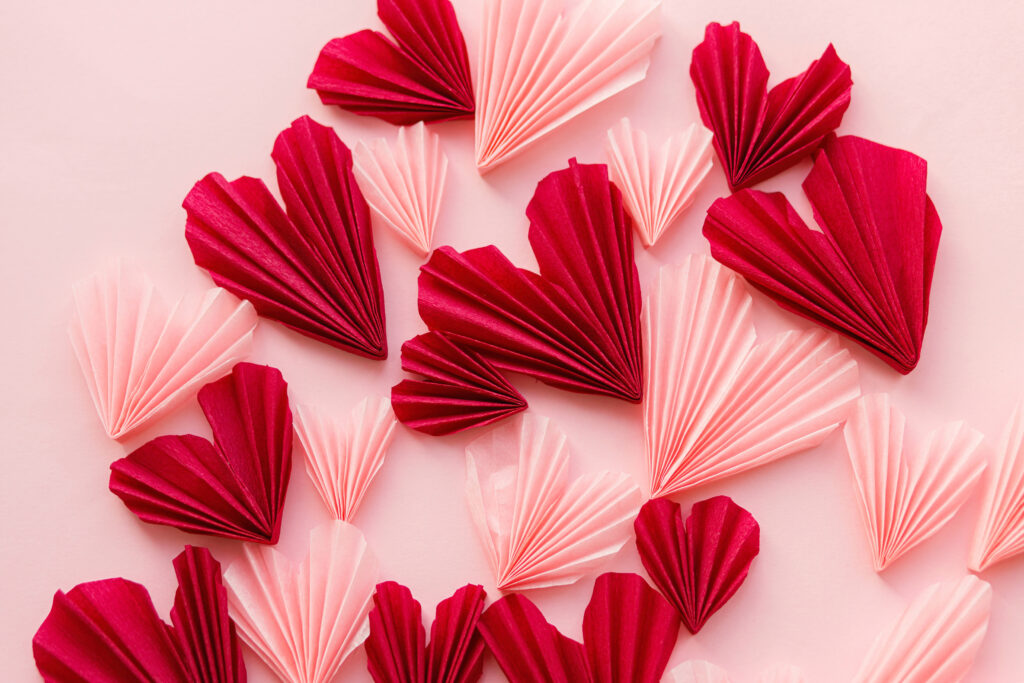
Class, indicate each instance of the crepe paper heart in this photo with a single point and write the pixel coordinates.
(313, 268)
(699, 671)
(304, 619)
(907, 495)
(141, 357)
(868, 271)
(935, 639)
(1000, 531)
(539, 67)
(459, 389)
(628, 635)
(109, 631)
(719, 404)
(539, 528)
(758, 132)
(343, 456)
(422, 75)
(396, 651)
(658, 185)
(577, 325)
(234, 487)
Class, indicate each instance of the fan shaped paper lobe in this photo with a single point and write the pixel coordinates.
(1000, 531)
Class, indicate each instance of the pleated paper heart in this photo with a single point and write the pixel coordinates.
(313, 268)
(577, 325)
(396, 651)
(540, 67)
(699, 671)
(460, 389)
(539, 528)
(907, 495)
(867, 272)
(141, 357)
(628, 635)
(698, 565)
(719, 404)
(109, 631)
(423, 75)
(758, 132)
(343, 456)
(304, 619)
(1000, 531)
(658, 185)
(234, 487)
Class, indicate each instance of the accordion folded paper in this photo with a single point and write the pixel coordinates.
(141, 357)
(460, 389)
(758, 132)
(540, 67)
(699, 671)
(109, 631)
(343, 456)
(539, 528)
(717, 403)
(234, 487)
(312, 267)
(868, 271)
(907, 495)
(628, 635)
(658, 185)
(422, 75)
(575, 326)
(396, 650)
(1000, 531)
(304, 619)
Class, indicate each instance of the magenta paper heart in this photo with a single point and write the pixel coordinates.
(758, 132)
(422, 76)
(234, 487)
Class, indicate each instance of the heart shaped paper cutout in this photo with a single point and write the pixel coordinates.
(999, 534)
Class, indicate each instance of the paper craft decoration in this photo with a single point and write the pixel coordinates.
(628, 635)
(539, 528)
(141, 357)
(313, 268)
(404, 184)
(699, 671)
(868, 271)
(303, 620)
(575, 326)
(758, 132)
(109, 631)
(234, 487)
(1000, 531)
(698, 565)
(907, 495)
(396, 649)
(343, 456)
(717, 403)
(657, 184)
(460, 389)
(540, 67)
(935, 639)
(420, 75)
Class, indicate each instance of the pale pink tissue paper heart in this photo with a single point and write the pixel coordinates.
(1000, 531)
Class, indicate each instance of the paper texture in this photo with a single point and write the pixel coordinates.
(1000, 531)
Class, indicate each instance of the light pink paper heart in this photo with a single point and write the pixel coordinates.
(1000, 531)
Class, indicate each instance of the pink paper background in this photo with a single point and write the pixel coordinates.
(111, 110)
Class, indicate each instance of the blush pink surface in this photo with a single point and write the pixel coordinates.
(111, 111)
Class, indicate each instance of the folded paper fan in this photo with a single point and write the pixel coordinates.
(906, 496)
(234, 487)
(109, 631)
(538, 528)
(141, 357)
(658, 185)
(717, 403)
(304, 620)
(422, 76)
(935, 639)
(312, 268)
(343, 456)
(404, 184)
(1000, 531)
(460, 389)
(540, 67)
(699, 671)
(758, 132)
(867, 272)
